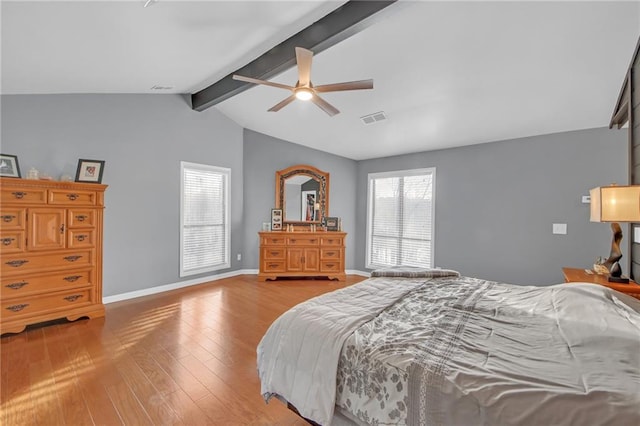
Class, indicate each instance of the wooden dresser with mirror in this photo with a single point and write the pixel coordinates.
(303, 248)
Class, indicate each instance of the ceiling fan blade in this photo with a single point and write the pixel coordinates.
(324, 105)
(264, 82)
(277, 107)
(303, 58)
(350, 85)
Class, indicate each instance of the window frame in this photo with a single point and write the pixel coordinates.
(226, 172)
(398, 174)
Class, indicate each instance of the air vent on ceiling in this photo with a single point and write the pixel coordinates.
(373, 118)
(156, 87)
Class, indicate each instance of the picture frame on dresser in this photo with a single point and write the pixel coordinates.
(276, 219)
(332, 223)
(9, 166)
(90, 171)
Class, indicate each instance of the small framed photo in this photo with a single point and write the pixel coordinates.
(90, 171)
(9, 166)
(332, 223)
(276, 219)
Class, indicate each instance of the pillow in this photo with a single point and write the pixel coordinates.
(413, 272)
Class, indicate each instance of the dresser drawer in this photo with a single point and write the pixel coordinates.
(330, 254)
(16, 264)
(28, 306)
(274, 240)
(12, 242)
(26, 195)
(331, 241)
(80, 238)
(81, 218)
(25, 285)
(303, 240)
(270, 253)
(12, 218)
(69, 197)
(274, 266)
(330, 266)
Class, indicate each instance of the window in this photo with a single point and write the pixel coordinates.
(204, 218)
(400, 218)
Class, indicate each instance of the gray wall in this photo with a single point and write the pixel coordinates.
(496, 203)
(143, 138)
(263, 155)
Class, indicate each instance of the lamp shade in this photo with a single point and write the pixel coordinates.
(615, 203)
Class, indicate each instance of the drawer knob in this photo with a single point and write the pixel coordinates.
(19, 194)
(72, 278)
(81, 218)
(17, 308)
(330, 265)
(71, 258)
(274, 253)
(331, 253)
(8, 218)
(17, 263)
(16, 286)
(81, 237)
(313, 241)
(73, 297)
(273, 265)
(330, 241)
(293, 240)
(7, 241)
(72, 197)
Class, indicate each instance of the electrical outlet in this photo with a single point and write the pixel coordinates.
(560, 228)
(239, 256)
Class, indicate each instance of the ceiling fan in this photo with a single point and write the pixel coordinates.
(304, 89)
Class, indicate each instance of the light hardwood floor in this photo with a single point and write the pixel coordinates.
(181, 357)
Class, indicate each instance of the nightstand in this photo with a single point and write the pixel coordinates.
(572, 275)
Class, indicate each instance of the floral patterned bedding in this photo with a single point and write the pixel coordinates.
(469, 351)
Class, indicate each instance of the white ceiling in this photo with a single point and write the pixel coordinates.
(445, 73)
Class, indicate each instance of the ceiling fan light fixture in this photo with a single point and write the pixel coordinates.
(304, 94)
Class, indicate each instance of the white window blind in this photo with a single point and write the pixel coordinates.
(400, 218)
(204, 216)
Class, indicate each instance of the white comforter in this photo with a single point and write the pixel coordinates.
(298, 356)
(597, 331)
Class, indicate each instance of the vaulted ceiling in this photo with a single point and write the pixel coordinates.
(445, 73)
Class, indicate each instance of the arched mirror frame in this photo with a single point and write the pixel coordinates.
(323, 192)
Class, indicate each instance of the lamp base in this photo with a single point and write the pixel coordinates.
(620, 280)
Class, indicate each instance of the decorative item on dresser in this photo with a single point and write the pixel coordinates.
(302, 254)
(51, 235)
(576, 275)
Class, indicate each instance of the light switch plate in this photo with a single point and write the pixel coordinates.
(586, 199)
(560, 228)
(636, 234)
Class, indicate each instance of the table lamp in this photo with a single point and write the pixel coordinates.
(615, 204)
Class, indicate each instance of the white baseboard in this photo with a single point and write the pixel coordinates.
(175, 286)
(361, 273)
(196, 281)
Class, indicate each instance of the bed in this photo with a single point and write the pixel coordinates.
(430, 347)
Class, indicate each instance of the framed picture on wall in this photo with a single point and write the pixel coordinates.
(9, 166)
(90, 171)
(276, 219)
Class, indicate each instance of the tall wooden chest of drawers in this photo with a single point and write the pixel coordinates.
(302, 254)
(51, 250)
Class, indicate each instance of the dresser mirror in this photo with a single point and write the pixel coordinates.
(302, 192)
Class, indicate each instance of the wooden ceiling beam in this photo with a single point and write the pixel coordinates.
(349, 19)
